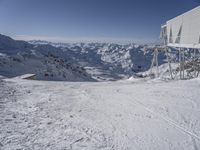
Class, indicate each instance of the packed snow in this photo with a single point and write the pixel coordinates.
(129, 114)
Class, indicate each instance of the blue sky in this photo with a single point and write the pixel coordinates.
(89, 20)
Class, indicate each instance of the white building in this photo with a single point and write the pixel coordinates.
(183, 31)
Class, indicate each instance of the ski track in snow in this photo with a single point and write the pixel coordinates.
(170, 121)
(119, 115)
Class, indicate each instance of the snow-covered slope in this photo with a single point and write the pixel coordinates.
(12, 47)
(138, 114)
(45, 68)
(18, 58)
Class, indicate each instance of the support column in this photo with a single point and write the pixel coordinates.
(152, 63)
(169, 62)
(180, 66)
(194, 57)
(183, 62)
(156, 59)
(155, 62)
(197, 72)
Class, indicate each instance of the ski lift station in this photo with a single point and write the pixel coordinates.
(182, 34)
(183, 31)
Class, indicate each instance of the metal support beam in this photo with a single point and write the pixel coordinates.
(194, 66)
(180, 67)
(183, 62)
(169, 61)
(155, 62)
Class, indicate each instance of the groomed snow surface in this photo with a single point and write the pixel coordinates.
(123, 115)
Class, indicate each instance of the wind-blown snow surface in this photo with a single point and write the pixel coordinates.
(131, 114)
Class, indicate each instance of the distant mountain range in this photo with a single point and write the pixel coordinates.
(20, 57)
(73, 61)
